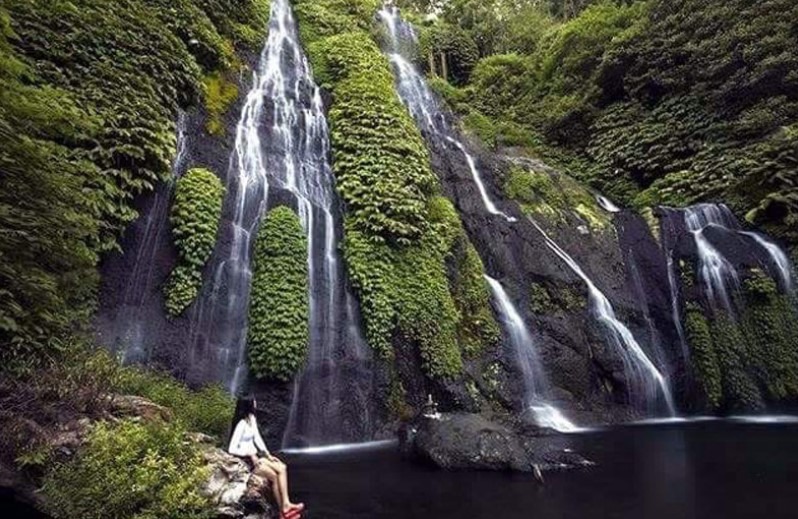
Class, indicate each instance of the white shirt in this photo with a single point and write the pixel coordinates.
(246, 440)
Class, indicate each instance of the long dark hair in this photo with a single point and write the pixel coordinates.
(245, 406)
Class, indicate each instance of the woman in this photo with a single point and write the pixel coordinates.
(246, 442)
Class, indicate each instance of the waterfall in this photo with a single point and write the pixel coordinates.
(675, 309)
(419, 99)
(282, 152)
(778, 258)
(645, 380)
(607, 205)
(642, 296)
(133, 325)
(536, 385)
(718, 275)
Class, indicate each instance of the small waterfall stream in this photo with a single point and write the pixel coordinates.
(718, 275)
(422, 105)
(645, 380)
(536, 386)
(281, 155)
(133, 325)
(419, 99)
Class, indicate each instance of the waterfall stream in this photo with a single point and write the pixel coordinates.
(419, 99)
(718, 275)
(423, 107)
(133, 324)
(281, 155)
(645, 380)
(536, 386)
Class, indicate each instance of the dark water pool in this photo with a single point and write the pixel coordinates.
(690, 470)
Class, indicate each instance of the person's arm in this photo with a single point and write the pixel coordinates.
(259, 443)
(235, 440)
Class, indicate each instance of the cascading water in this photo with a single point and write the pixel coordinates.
(536, 386)
(676, 314)
(419, 100)
(718, 275)
(645, 380)
(282, 153)
(133, 323)
(606, 204)
(778, 257)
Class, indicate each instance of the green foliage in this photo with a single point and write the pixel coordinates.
(130, 470)
(195, 217)
(381, 164)
(207, 410)
(769, 323)
(739, 389)
(220, 93)
(478, 330)
(88, 98)
(704, 360)
(278, 314)
(658, 102)
(398, 234)
(442, 41)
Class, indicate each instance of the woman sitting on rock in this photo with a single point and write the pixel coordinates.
(247, 443)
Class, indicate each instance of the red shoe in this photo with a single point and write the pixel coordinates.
(295, 512)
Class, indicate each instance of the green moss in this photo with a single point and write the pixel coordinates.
(219, 94)
(278, 315)
(769, 322)
(739, 388)
(477, 328)
(554, 197)
(704, 360)
(399, 233)
(195, 219)
(545, 300)
(130, 470)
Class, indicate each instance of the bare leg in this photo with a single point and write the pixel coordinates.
(265, 471)
(282, 478)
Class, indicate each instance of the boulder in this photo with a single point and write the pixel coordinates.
(473, 441)
(232, 488)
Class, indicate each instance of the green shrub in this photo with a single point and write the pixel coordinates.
(278, 314)
(397, 232)
(130, 470)
(195, 216)
(208, 410)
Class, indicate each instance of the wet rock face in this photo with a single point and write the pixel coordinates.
(587, 374)
(472, 441)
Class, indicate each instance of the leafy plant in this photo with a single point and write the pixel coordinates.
(195, 216)
(130, 470)
(278, 315)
